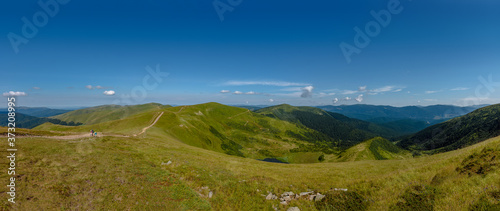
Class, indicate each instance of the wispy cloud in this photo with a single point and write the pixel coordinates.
(264, 83)
(237, 92)
(383, 89)
(431, 91)
(36, 88)
(349, 92)
(459, 89)
(14, 94)
(225, 91)
(97, 87)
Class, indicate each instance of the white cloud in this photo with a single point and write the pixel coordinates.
(335, 100)
(362, 88)
(347, 98)
(89, 87)
(237, 92)
(225, 91)
(109, 92)
(250, 93)
(459, 89)
(307, 91)
(431, 92)
(271, 100)
(36, 88)
(359, 98)
(397, 90)
(14, 94)
(100, 87)
(264, 83)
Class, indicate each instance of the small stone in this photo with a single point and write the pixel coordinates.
(293, 209)
(305, 193)
(318, 197)
(311, 197)
(210, 194)
(287, 198)
(271, 196)
(284, 203)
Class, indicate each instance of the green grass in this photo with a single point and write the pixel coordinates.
(226, 129)
(113, 173)
(373, 149)
(106, 113)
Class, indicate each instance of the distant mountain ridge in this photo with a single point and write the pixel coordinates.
(458, 132)
(347, 131)
(377, 113)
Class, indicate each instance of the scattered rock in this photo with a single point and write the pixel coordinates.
(284, 203)
(210, 194)
(271, 196)
(305, 193)
(167, 163)
(293, 209)
(318, 197)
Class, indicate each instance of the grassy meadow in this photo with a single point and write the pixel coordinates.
(132, 173)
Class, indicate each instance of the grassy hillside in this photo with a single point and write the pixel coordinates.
(221, 128)
(346, 130)
(106, 113)
(373, 149)
(457, 133)
(117, 173)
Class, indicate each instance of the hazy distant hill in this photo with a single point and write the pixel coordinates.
(40, 111)
(27, 121)
(456, 133)
(432, 114)
(347, 130)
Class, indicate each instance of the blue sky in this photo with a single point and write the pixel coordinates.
(261, 52)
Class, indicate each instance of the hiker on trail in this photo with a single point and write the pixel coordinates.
(95, 133)
(92, 132)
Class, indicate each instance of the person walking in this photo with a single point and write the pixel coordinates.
(92, 132)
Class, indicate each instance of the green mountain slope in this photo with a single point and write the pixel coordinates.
(221, 128)
(457, 133)
(105, 113)
(346, 130)
(238, 131)
(373, 149)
